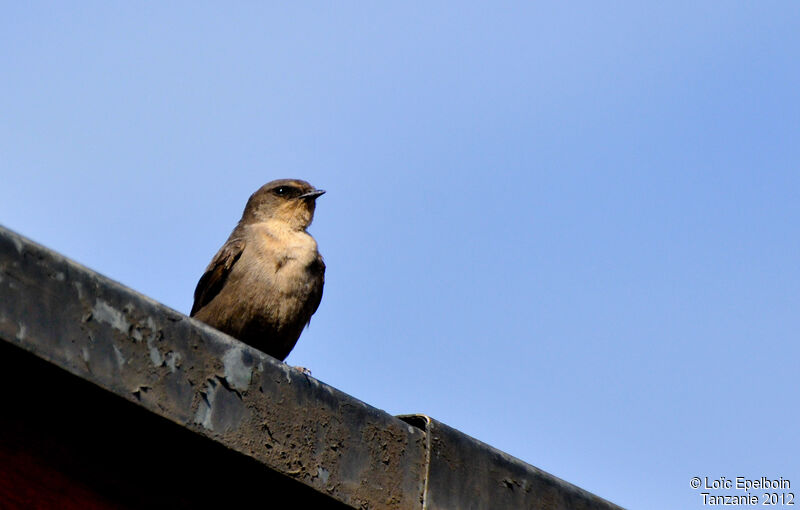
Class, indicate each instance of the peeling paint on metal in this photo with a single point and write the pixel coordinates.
(104, 312)
(119, 357)
(286, 371)
(220, 410)
(78, 288)
(237, 373)
(155, 354)
(136, 334)
(203, 414)
(172, 360)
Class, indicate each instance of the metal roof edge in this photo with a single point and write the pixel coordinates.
(216, 386)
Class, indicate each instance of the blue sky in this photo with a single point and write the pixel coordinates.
(567, 229)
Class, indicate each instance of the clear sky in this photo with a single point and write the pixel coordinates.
(568, 229)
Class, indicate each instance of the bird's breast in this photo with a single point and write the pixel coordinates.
(287, 257)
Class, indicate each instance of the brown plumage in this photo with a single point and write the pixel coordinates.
(266, 281)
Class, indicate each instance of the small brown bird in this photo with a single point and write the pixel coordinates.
(266, 281)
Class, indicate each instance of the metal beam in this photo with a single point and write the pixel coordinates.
(236, 396)
(205, 380)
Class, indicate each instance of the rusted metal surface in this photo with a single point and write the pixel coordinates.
(465, 473)
(206, 381)
(252, 404)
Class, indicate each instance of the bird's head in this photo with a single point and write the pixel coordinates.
(291, 201)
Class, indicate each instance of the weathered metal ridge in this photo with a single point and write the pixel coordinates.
(238, 397)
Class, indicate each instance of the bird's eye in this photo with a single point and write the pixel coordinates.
(286, 191)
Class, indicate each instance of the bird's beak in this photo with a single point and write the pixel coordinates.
(313, 194)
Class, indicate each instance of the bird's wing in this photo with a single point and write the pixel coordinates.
(316, 296)
(217, 273)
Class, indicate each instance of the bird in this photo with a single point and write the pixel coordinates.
(266, 281)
